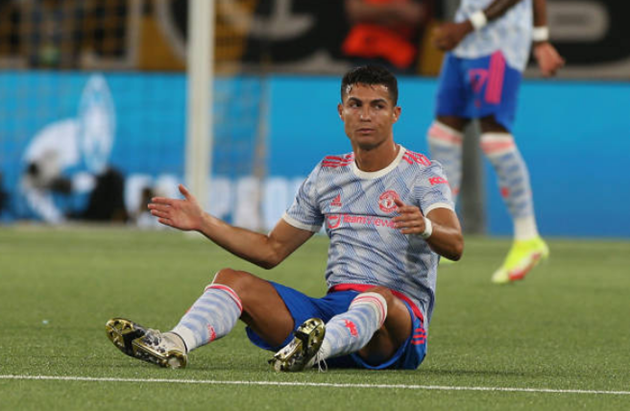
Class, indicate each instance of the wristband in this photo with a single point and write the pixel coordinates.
(540, 33)
(428, 229)
(478, 19)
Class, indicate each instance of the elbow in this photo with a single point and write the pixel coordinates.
(267, 265)
(273, 254)
(456, 250)
(269, 261)
(459, 249)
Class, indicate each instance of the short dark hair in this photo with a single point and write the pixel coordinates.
(371, 75)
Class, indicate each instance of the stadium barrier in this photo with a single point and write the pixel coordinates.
(574, 136)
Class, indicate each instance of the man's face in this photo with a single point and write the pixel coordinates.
(368, 114)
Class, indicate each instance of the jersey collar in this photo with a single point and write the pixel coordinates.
(379, 173)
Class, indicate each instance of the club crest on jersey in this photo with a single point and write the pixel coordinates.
(386, 201)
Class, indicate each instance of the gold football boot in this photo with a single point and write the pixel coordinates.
(122, 332)
(301, 352)
(166, 350)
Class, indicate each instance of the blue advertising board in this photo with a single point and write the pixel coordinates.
(573, 135)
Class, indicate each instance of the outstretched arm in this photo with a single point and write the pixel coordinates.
(445, 237)
(264, 250)
(545, 53)
(448, 35)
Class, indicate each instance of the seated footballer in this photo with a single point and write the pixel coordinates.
(389, 215)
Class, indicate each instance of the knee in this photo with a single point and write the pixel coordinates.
(441, 134)
(236, 280)
(386, 293)
(497, 143)
(397, 322)
(395, 307)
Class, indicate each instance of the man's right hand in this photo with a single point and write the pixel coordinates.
(548, 58)
(184, 214)
(448, 35)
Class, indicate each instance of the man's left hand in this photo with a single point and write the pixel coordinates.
(410, 220)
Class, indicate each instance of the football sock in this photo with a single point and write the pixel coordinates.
(350, 331)
(445, 144)
(212, 316)
(513, 181)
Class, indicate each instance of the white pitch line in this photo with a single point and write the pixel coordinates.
(309, 384)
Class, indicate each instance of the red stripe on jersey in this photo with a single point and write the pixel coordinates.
(335, 164)
(418, 158)
(344, 158)
(338, 158)
(337, 161)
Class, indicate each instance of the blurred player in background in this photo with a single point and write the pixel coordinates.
(489, 45)
(386, 32)
(389, 215)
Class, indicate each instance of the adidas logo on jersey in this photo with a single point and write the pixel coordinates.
(336, 201)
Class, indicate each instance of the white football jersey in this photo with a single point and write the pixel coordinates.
(357, 208)
(510, 33)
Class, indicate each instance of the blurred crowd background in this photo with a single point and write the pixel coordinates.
(305, 36)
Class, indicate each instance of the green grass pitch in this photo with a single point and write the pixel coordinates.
(558, 340)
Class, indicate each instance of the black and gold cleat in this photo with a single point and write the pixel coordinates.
(121, 332)
(301, 352)
(165, 350)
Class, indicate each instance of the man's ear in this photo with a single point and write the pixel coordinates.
(340, 110)
(396, 113)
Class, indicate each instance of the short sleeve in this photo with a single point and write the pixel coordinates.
(432, 189)
(305, 213)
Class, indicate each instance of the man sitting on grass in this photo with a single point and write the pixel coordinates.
(389, 216)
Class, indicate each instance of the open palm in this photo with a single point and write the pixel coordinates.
(184, 214)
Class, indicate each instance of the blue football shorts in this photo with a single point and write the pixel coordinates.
(479, 87)
(302, 307)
